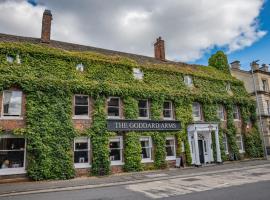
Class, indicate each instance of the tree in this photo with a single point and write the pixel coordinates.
(219, 61)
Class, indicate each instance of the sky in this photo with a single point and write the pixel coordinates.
(192, 29)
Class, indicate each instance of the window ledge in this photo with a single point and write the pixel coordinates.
(10, 118)
(81, 117)
(114, 117)
(171, 158)
(242, 151)
(168, 119)
(144, 118)
(115, 163)
(147, 161)
(81, 165)
(236, 120)
(12, 171)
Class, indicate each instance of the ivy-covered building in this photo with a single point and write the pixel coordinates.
(68, 109)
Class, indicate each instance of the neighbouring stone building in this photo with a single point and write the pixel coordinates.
(69, 109)
(259, 82)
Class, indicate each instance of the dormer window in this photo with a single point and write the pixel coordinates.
(10, 59)
(80, 67)
(137, 74)
(188, 81)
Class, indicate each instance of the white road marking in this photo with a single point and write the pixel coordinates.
(181, 186)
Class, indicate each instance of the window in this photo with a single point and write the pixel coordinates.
(170, 148)
(80, 67)
(220, 112)
(167, 110)
(12, 154)
(18, 59)
(146, 145)
(265, 85)
(236, 114)
(10, 59)
(81, 152)
(188, 81)
(225, 143)
(143, 109)
(137, 74)
(113, 107)
(81, 106)
(12, 103)
(239, 142)
(196, 112)
(267, 107)
(116, 150)
(228, 87)
(183, 146)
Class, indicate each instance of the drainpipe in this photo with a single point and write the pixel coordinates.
(259, 110)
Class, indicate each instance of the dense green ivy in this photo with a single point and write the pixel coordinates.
(49, 79)
(219, 60)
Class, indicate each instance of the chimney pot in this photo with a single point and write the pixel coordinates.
(235, 64)
(160, 49)
(46, 26)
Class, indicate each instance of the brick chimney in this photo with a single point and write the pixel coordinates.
(160, 49)
(235, 64)
(46, 26)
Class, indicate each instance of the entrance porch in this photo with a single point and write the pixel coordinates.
(200, 141)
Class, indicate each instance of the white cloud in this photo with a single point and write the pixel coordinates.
(190, 28)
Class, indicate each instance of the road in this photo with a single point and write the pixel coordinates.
(247, 184)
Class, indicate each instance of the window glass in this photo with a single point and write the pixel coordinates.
(12, 151)
(80, 67)
(146, 148)
(81, 105)
(113, 107)
(116, 149)
(267, 107)
(225, 143)
(265, 85)
(170, 147)
(220, 112)
(188, 81)
(81, 150)
(137, 73)
(196, 111)
(236, 114)
(167, 110)
(143, 109)
(239, 141)
(12, 103)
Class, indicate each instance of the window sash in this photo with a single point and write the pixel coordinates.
(147, 149)
(12, 103)
(196, 111)
(168, 110)
(119, 149)
(113, 110)
(171, 146)
(188, 81)
(220, 113)
(236, 114)
(143, 109)
(240, 144)
(85, 161)
(78, 105)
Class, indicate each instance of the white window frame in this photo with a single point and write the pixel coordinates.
(80, 67)
(77, 140)
(19, 117)
(118, 139)
(20, 170)
(113, 117)
(147, 108)
(137, 74)
(188, 80)
(236, 108)
(197, 118)
(170, 109)
(265, 85)
(267, 107)
(225, 144)
(147, 138)
(242, 149)
(81, 116)
(174, 149)
(220, 110)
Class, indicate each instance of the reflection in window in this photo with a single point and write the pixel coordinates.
(143, 109)
(81, 105)
(116, 147)
(170, 147)
(146, 145)
(81, 150)
(12, 103)
(114, 107)
(167, 110)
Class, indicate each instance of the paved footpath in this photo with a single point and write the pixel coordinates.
(156, 184)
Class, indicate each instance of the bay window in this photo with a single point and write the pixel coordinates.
(81, 106)
(168, 110)
(116, 150)
(143, 109)
(170, 148)
(81, 152)
(146, 145)
(12, 104)
(113, 107)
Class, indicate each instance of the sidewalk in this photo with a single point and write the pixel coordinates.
(127, 178)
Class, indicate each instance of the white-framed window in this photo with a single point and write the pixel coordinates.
(170, 148)
(113, 107)
(12, 155)
(116, 150)
(137, 74)
(239, 142)
(143, 109)
(188, 81)
(225, 143)
(10, 59)
(82, 152)
(196, 111)
(236, 113)
(146, 145)
(80, 67)
(267, 107)
(221, 112)
(81, 106)
(12, 103)
(168, 110)
(265, 85)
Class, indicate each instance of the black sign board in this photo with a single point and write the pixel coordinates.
(142, 125)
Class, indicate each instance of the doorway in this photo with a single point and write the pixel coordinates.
(201, 151)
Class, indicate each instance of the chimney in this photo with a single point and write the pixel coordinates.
(255, 65)
(46, 26)
(235, 64)
(160, 49)
(264, 67)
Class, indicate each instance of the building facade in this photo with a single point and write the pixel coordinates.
(258, 83)
(69, 110)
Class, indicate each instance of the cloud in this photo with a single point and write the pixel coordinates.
(190, 28)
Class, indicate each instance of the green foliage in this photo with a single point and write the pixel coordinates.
(253, 144)
(131, 109)
(219, 61)
(159, 140)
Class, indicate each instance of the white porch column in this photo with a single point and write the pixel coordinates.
(218, 146)
(197, 157)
